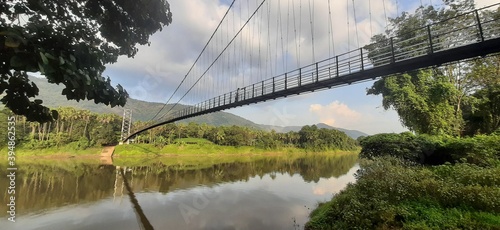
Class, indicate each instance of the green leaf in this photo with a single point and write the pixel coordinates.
(48, 55)
(72, 58)
(44, 58)
(61, 61)
(38, 101)
(88, 81)
(42, 70)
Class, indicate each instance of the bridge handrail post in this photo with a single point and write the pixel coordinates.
(337, 64)
(273, 86)
(253, 90)
(361, 55)
(392, 50)
(300, 77)
(429, 34)
(262, 89)
(224, 102)
(286, 80)
(317, 72)
(480, 27)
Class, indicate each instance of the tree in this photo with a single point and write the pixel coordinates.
(428, 101)
(423, 101)
(483, 113)
(70, 42)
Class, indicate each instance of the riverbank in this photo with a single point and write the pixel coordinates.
(149, 150)
(419, 182)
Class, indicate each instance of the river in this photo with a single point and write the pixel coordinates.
(192, 192)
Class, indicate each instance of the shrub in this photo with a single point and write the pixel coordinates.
(405, 146)
(390, 194)
(482, 150)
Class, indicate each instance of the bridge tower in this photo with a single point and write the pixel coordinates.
(126, 125)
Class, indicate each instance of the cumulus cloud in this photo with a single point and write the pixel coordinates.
(279, 38)
(335, 114)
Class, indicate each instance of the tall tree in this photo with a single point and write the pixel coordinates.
(70, 42)
(427, 101)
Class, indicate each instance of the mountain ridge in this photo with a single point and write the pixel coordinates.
(144, 111)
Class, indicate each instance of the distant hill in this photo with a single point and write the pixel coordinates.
(144, 111)
(352, 133)
(141, 110)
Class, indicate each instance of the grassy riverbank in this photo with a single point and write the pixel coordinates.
(182, 147)
(419, 182)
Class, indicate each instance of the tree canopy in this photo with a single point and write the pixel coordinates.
(70, 42)
(455, 99)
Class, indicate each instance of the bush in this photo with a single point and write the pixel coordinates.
(390, 194)
(405, 146)
(480, 150)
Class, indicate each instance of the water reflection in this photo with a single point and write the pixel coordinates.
(143, 220)
(266, 193)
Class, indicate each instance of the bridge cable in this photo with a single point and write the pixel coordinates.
(216, 29)
(332, 44)
(385, 15)
(295, 32)
(311, 23)
(281, 38)
(355, 22)
(300, 27)
(287, 35)
(348, 26)
(268, 51)
(370, 12)
(220, 54)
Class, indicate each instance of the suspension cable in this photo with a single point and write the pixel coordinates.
(192, 66)
(311, 23)
(220, 54)
(355, 22)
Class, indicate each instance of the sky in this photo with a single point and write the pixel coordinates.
(154, 73)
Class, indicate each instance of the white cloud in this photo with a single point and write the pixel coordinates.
(160, 67)
(335, 114)
(157, 69)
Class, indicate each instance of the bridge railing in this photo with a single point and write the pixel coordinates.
(464, 29)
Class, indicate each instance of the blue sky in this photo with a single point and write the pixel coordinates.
(157, 69)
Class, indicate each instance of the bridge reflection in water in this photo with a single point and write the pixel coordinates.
(68, 192)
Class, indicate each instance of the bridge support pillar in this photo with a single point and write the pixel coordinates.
(126, 124)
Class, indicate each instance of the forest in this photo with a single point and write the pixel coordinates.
(81, 129)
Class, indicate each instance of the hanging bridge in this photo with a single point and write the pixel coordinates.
(218, 74)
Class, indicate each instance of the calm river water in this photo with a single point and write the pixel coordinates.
(233, 192)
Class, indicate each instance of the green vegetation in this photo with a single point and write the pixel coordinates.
(459, 99)
(141, 110)
(84, 132)
(74, 130)
(391, 193)
(447, 176)
(70, 42)
(310, 138)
